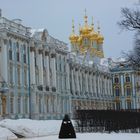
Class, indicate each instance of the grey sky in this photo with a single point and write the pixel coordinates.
(56, 16)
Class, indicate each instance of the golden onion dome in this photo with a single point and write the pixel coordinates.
(73, 37)
(100, 37)
(79, 40)
(86, 29)
(93, 34)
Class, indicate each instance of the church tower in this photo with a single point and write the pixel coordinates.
(88, 44)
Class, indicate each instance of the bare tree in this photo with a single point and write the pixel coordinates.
(131, 21)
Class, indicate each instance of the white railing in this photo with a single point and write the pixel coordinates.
(13, 26)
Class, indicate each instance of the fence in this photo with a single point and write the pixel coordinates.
(107, 121)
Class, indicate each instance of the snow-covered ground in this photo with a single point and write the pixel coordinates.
(6, 134)
(94, 136)
(49, 130)
(32, 128)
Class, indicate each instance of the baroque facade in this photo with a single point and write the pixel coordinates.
(41, 79)
(34, 77)
(126, 85)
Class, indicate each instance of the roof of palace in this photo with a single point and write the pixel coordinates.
(119, 64)
(43, 35)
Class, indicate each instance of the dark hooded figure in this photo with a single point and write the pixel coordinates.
(67, 129)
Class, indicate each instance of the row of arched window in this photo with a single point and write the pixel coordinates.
(18, 52)
(117, 80)
(128, 91)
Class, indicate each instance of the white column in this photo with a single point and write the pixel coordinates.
(32, 65)
(40, 64)
(72, 78)
(134, 92)
(80, 72)
(98, 78)
(105, 92)
(101, 85)
(22, 105)
(53, 67)
(77, 80)
(86, 82)
(111, 91)
(90, 82)
(108, 86)
(95, 89)
(33, 82)
(4, 65)
(47, 65)
(133, 84)
(68, 74)
(122, 85)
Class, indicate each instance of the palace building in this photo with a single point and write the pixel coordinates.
(41, 79)
(126, 85)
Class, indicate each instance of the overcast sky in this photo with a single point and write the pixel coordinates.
(56, 16)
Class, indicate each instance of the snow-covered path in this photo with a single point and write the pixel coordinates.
(94, 136)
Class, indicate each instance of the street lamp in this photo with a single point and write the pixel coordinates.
(3, 87)
(3, 90)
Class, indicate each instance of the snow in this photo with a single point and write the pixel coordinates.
(94, 136)
(32, 128)
(6, 134)
(49, 130)
(104, 62)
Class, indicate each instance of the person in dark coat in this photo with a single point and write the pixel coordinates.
(67, 129)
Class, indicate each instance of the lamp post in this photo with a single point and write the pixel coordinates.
(3, 90)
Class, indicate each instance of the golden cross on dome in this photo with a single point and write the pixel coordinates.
(85, 12)
(79, 26)
(98, 27)
(85, 16)
(92, 24)
(73, 26)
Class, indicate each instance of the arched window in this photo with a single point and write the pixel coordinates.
(116, 80)
(18, 74)
(60, 63)
(64, 64)
(17, 50)
(11, 104)
(128, 105)
(19, 103)
(128, 91)
(10, 49)
(117, 91)
(118, 106)
(127, 78)
(85, 41)
(24, 53)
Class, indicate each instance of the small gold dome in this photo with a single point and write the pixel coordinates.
(73, 38)
(93, 35)
(85, 30)
(100, 39)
